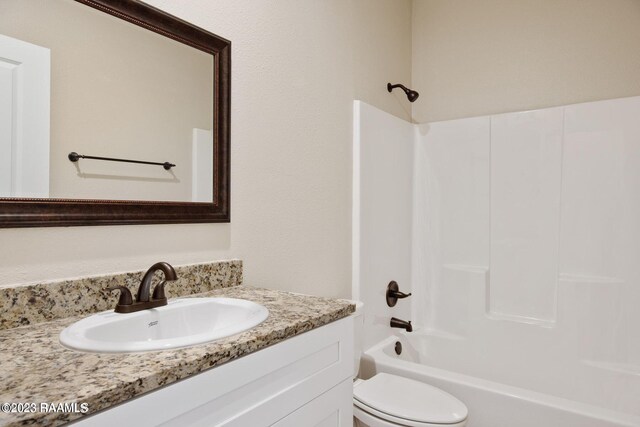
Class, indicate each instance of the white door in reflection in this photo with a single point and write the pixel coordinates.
(202, 167)
(24, 119)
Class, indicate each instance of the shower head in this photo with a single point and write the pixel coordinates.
(412, 95)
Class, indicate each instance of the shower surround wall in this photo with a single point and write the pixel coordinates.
(382, 180)
(524, 240)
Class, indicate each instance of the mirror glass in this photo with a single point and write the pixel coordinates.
(76, 80)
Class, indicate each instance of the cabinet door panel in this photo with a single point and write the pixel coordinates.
(334, 408)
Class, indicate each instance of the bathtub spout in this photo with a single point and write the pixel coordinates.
(403, 324)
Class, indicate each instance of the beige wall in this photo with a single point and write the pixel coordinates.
(295, 75)
(382, 53)
(477, 57)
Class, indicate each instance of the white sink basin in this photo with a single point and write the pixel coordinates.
(181, 323)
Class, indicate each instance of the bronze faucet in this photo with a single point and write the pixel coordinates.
(143, 300)
(402, 324)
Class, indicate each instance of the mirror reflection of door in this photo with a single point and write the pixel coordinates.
(202, 172)
(24, 119)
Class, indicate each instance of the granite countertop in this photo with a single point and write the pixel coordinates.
(35, 367)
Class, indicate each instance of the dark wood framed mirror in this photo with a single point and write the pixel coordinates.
(86, 210)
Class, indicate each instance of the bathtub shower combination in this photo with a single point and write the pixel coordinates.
(518, 236)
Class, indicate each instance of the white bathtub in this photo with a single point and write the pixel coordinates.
(491, 404)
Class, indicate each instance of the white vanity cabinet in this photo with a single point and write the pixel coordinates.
(302, 381)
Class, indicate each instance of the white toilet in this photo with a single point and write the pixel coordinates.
(387, 400)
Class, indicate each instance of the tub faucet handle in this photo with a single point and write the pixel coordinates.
(394, 294)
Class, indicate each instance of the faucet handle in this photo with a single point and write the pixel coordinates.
(158, 291)
(125, 294)
(393, 294)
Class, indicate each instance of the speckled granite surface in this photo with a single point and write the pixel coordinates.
(42, 302)
(34, 366)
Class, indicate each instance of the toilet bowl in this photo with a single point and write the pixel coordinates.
(387, 400)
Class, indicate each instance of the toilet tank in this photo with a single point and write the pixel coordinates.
(358, 332)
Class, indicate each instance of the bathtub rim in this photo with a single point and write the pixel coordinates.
(380, 358)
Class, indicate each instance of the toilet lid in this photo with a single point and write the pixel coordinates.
(409, 399)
